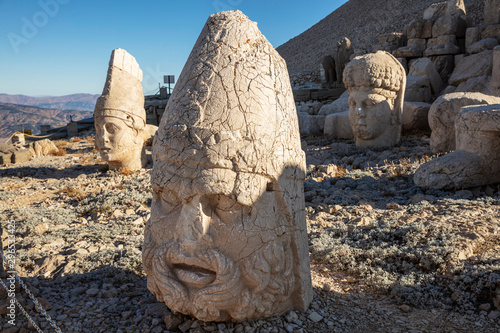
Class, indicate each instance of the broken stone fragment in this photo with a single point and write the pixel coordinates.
(442, 117)
(476, 161)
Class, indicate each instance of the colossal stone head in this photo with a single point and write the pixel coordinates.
(227, 236)
(376, 84)
(120, 118)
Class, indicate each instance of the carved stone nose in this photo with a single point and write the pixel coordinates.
(192, 228)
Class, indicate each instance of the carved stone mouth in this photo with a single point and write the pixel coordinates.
(194, 276)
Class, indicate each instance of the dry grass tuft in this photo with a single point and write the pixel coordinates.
(75, 139)
(58, 152)
(125, 172)
(61, 143)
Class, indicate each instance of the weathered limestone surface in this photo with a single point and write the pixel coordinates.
(418, 89)
(495, 72)
(120, 118)
(440, 40)
(482, 45)
(419, 29)
(424, 66)
(491, 12)
(435, 11)
(415, 117)
(342, 56)
(444, 65)
(492, 30)
(476, 161)
(480, 84)
(341, 104)
(417, 42)
(338, 126)
(471, 66)
(441, 49)
(472, 35)
(442, 117)
(409, 52)
(15, 153)
(376, 83)
(227, 237)
(310, 124)
(449, 25)
(42, 147)
(328, 64)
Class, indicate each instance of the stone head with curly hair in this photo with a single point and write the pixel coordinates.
(376, 84)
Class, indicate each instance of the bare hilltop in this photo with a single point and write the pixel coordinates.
(362, 21)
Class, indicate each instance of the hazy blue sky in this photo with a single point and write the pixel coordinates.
(60, 47)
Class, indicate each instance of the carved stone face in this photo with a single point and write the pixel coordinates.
(116, 141)
(214, 257)
(369, 114)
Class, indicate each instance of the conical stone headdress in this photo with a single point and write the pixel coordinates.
(232, 107)
(122, 96)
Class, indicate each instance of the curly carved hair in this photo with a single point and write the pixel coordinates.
(378, 70)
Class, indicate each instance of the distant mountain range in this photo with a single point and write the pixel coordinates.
(15, 117)
(81, 102)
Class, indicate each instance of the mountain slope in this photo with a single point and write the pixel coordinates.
(14, 117)
(82, 102)
(362, 21)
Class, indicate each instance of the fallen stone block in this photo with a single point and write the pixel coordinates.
(5, 158)
(337, 126)
(418, 89)
(482, 45)
(495, 72)
(440, 40)
(419, 29)
(311, 108)
(442, 117)
(478, 64)
(409, 52)
(442, 49)
(339, 105)
(415, 117)
(302, 95)
(21, 156)
(311, 124)
(424, 66)
(43, 147)
(491, 12)
(326, 94)
(491, 31)
(449, 25)
(435, 11)
(472, 35)
(480, 84)
(417, 42)
(444, 65)
(476, 160)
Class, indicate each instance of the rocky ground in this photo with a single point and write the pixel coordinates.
(386, 256)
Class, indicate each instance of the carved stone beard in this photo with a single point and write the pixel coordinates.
(244, 291)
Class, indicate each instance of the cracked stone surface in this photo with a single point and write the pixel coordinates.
(376, 84)
(442, 117)
(120, 118)
(227, 238)
(476, 161)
